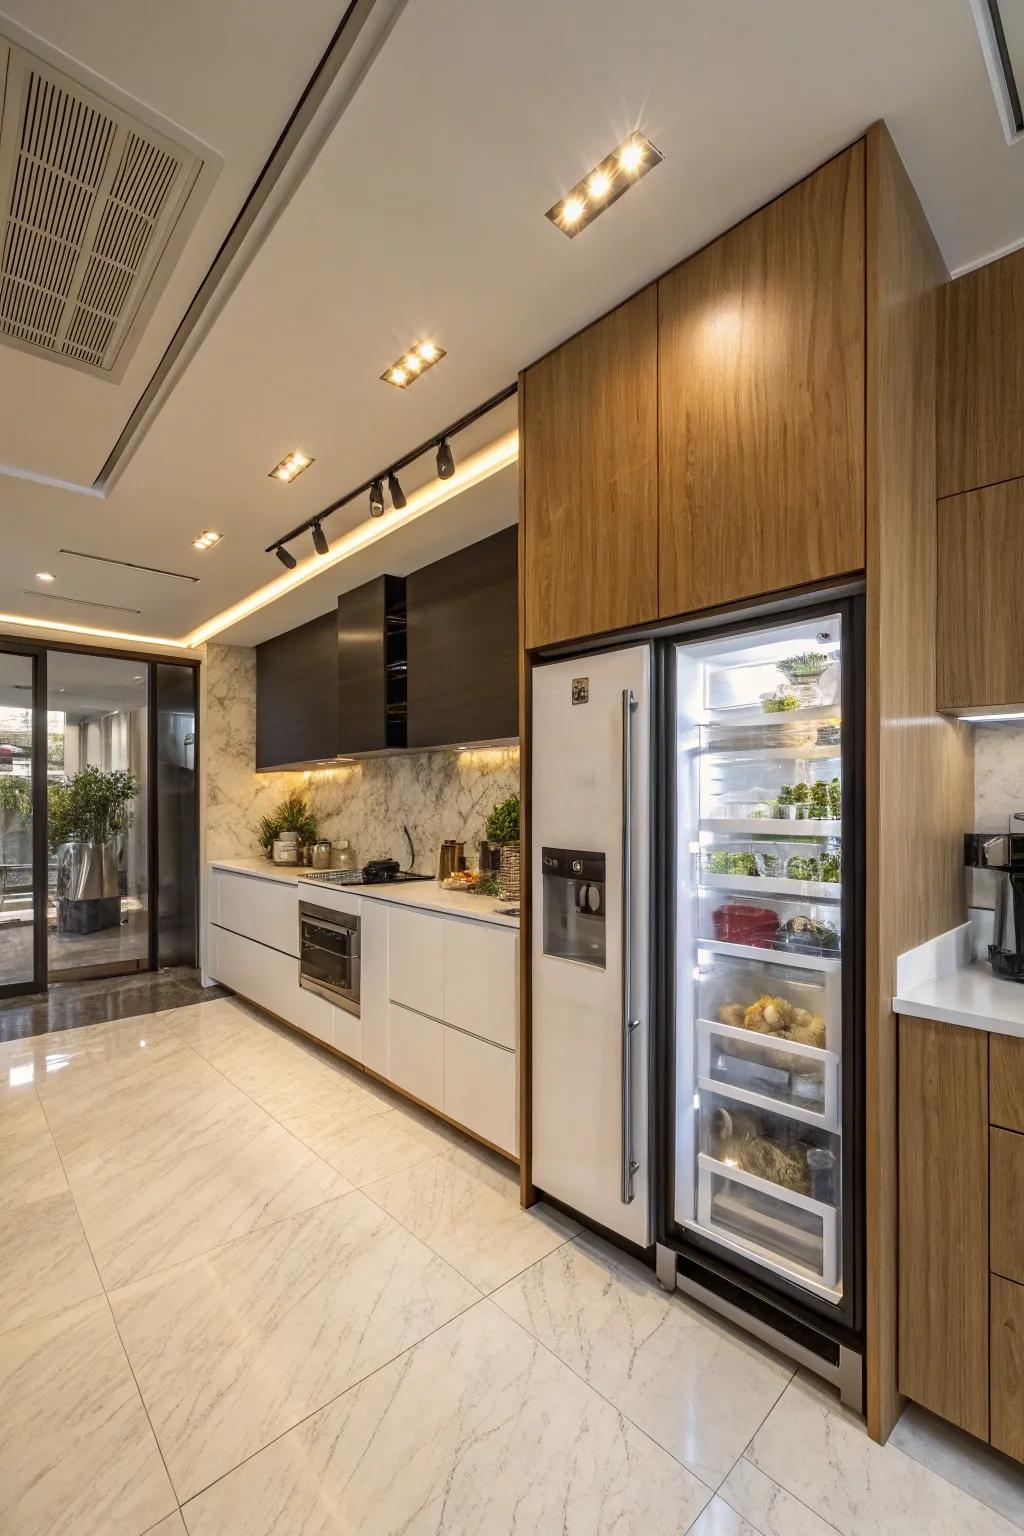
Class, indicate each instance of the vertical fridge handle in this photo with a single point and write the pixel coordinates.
(629, 1024)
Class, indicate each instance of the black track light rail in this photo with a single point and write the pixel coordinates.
(410, 458)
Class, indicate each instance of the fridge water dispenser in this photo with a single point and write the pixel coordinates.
(574, 905)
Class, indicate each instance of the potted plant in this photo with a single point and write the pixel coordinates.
(503, 828)
(293, 819)
(15, 821)
(85, 819)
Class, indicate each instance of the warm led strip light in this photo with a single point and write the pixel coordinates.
(471, 471)
(86, 629)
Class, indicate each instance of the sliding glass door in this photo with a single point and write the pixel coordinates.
(23, 861)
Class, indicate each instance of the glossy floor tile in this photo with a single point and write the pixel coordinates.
(77, 1454)
(30, 1168)
(143, 1217)
(696, 1386)
(821, 1454)
(479, 1429)
(234, 1348)
(375, 1146)
(466, 1207)
(45, 1263)
(769, 1509)
(993, 1479)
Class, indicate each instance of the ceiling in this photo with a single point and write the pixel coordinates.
(422, 215)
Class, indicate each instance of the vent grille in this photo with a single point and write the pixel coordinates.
(88, 198)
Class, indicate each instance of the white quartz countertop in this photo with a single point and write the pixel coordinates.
(418, 893)
(971, 996)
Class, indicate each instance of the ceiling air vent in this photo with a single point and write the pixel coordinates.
(89, 200)
(1001, 30)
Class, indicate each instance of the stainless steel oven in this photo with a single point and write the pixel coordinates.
(329, 955)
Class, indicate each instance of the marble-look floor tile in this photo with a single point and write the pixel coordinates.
(174, 1525)
(30, 1168)
(140, 1218)
(821, 1453)
(720, 1519)
(234, 1348)
(468, 1211)
(769, 1509)
(45, 1263)
(693, 1384)
(77, 1455)
(374, 1146)
(962, 1460)
(479, 1429)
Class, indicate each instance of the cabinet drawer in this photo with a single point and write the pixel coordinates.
(1006, 1082)
(1006, 1193)
(270, 980)
(416, 1055)
(416, 960)
(480, 1088)
(481, 980)
(1008, 1367)
(264, 910)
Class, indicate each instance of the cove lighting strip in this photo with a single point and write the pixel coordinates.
(85, 629)
(471, 471)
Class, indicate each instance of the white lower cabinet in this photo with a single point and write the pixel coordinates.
(480, 1088)
(481, 980)
(415, 1054)
(271, 980)
(373, 986)
(416, 960)
(262, 909)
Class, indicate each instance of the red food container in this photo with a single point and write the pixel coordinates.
(736, 923)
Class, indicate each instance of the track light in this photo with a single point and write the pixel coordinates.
(445, 462)
(286, 557)
(395, 492)
(377, 498)
(320, 543)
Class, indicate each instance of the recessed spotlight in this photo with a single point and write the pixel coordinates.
(413, 364)
(45, 576)
(600, 187)
(207, 539)
(290, 467)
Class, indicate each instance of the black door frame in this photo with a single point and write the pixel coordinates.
(36, 654)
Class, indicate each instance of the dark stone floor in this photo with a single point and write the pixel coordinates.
(72, 1004)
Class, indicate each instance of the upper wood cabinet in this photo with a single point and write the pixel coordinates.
(761, 399)
(980, 641)
(295, 679)
(981, 377)
(590, 472)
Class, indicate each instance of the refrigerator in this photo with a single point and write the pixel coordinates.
(697, 962)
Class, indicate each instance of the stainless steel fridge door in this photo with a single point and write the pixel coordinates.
(591, 801)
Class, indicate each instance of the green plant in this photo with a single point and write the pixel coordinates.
(15, 795)
(785, 795)
(806, 664)
(835, 800)
(503, 822)
(91, 807)
(831, 867)
(801, 794)
(779, 703)
(292, 815)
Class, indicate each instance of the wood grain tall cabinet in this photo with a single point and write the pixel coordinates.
(793, 447)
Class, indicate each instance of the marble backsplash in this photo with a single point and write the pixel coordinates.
(435, 794)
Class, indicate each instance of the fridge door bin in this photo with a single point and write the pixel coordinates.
(788, 1232)
(767, 1072)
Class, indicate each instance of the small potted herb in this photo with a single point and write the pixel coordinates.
(292, 817)
(806, 667)
(503, 828)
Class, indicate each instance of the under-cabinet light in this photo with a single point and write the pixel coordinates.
(600, 187)
(413, 364)
(1015, 714)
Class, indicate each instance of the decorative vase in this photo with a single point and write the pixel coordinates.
(508, 872)
(87, 887)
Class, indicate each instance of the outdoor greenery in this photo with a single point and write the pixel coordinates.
(292, 815)
(503, 822)
(91, 807)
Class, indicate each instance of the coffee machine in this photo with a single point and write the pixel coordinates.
(1003, 854)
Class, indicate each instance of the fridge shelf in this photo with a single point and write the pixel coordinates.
(769, 826)
(786, 754)
(747, 714)
(766, 885)
(827, 963)
(764, 1069)
(790, 1232)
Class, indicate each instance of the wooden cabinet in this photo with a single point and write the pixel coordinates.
(980, 641)
(1008, 1367)
(943, 1216)
(590, 478)
(761, 340)
(981, 377)
(371, 639)
(295, 678)
(463, 638)
(1006, 1082)
(1006, 1205)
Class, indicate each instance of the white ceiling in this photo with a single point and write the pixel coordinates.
(423, 215)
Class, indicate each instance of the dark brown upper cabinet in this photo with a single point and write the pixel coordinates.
(761, 340)
(463, 645)
(371, 667)
(590, 477)
(295, 679)
(980, 426)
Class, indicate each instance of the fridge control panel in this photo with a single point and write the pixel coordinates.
(574, 905)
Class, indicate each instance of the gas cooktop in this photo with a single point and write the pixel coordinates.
(360, 877)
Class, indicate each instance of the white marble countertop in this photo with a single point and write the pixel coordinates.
(418, 893)
(942, 980)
